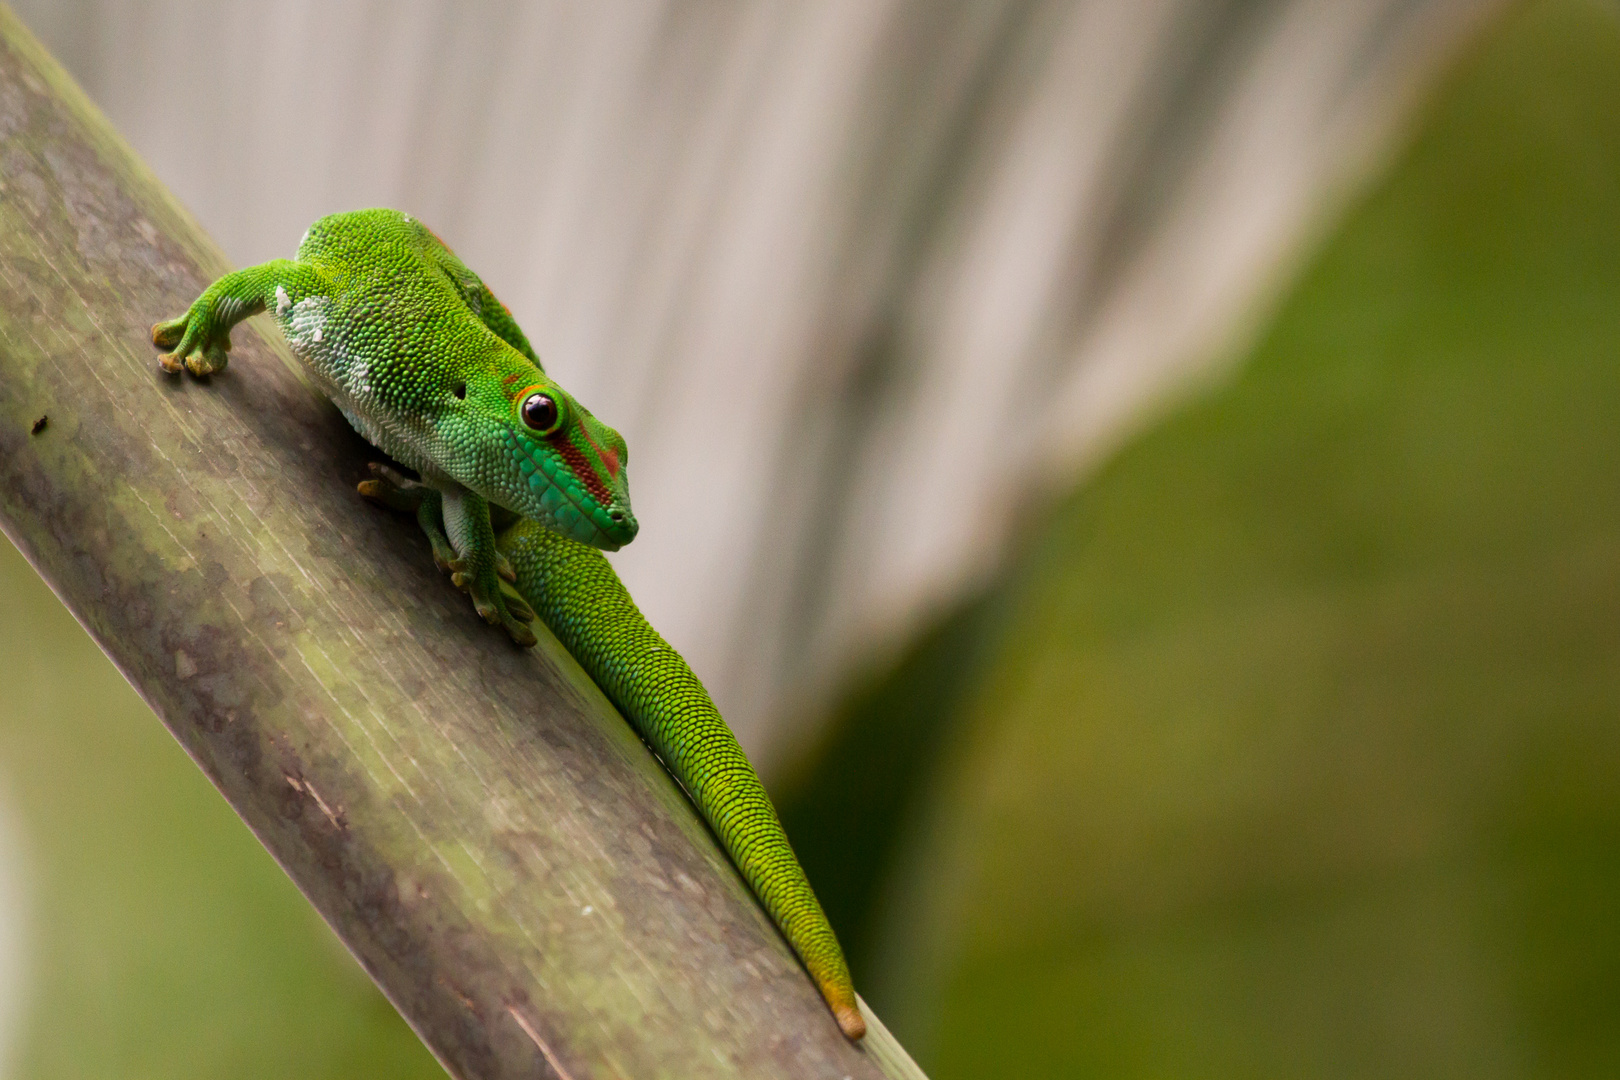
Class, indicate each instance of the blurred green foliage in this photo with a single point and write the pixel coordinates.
(163, 941)
(1291, 745)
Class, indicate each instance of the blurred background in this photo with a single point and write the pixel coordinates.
(1140, 476)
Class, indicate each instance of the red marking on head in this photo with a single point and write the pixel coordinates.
(581, 466)
(608, 456)
(510, 379)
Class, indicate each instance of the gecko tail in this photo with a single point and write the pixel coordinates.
(846, 1011)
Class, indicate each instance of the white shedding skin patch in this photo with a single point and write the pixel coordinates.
(306, 333)
(345, 377)
(283, 301)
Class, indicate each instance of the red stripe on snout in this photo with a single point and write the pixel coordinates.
(609, 458)
(581, 465)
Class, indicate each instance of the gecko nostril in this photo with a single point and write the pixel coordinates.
(460, 391)
(616, 515)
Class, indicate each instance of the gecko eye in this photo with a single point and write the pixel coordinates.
(540, 413)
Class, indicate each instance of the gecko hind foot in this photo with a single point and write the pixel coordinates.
(389, 488)
(496, 602)
(393, 490)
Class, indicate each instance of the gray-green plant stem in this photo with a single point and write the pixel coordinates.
(490, 839)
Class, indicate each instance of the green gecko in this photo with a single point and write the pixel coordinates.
(429, 367)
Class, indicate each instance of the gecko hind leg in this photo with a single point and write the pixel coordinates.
(496, 602)
(390, 489)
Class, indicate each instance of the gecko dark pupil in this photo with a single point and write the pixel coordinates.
(540, 412)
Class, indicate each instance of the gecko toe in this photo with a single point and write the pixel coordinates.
(517, 607)
(385, 489)
(210, 360)
(166, 335)
(521, 634)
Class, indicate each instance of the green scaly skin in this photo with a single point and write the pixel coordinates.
(431, 368)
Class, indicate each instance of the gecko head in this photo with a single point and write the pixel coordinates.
(522, 442)
(547, 458)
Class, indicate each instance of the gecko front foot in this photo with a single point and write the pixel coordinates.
(200, 340)
(481, 570)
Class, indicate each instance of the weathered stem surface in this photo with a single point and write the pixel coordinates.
(488, 836)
